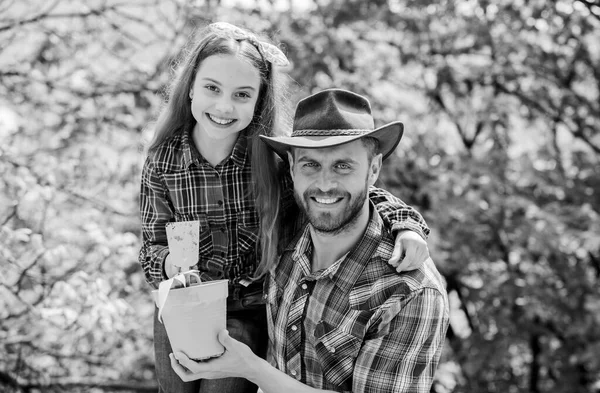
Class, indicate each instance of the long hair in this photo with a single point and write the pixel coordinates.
(271, 117)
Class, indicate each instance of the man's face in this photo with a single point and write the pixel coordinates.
(331, 184)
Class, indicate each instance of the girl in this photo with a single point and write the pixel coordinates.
(207, 163)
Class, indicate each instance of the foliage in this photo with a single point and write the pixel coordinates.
(501, 106)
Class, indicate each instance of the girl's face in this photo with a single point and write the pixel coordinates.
(224, 96)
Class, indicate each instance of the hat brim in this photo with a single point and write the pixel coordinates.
(389, 137)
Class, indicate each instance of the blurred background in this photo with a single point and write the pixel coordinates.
(501, 154)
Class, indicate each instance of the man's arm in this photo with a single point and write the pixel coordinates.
(411, 230)
(239, 361)
(402, 358)
(404, 354)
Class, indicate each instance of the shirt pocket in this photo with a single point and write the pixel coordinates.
(186, 192)
(336, 353)
(247, 232)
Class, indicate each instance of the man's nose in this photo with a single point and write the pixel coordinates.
(326, 181)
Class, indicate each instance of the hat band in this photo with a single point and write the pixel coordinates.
(336, 132)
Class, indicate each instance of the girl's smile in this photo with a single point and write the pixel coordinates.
(220, 121)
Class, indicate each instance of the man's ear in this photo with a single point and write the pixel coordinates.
(291, 162)
(375, 168)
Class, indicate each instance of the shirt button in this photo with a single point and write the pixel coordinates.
(332, 349)
(294, 373)
(294, 328)
(304, 286)
(220, 203)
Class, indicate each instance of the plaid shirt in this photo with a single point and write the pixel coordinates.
(358, 325)
(178, 184)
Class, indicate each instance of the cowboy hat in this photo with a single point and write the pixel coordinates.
(333, 117)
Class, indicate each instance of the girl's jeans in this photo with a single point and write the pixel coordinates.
(246, 322)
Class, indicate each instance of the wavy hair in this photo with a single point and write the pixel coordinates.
(271, 117)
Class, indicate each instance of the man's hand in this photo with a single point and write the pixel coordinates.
(237, 361)
(412, 247)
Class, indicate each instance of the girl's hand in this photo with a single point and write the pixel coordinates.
(413, 249)
(170, 268)
(237, 361)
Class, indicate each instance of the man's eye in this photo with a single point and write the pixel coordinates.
(343, 166)
(310, 165)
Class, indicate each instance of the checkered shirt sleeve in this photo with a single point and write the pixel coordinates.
(155, 213)
(396, 214)
(404, 354)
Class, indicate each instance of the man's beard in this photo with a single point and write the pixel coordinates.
(325, 221)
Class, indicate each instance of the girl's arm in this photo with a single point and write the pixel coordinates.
(410, 250)
(396, 214)
(155, 212)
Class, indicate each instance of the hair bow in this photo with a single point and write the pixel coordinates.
(269, 52)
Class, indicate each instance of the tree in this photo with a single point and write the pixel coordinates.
(500, 102)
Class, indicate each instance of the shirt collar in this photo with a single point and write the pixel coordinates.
(345, 271)
(191, 155)
(240, 150)
(361, 254)
(297, 251)
(187, 147)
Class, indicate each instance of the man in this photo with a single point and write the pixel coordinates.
(340, 318)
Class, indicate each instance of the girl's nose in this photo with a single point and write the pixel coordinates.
(224, 105)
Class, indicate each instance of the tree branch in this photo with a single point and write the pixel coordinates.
(534, 104)
(437, 97)
(46, 15)
(43, 182)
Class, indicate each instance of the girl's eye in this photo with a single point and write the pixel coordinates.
(212, 88)
(244, 95)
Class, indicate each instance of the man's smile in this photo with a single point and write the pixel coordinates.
(326, 201)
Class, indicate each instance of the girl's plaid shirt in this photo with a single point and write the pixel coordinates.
(179, 185)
